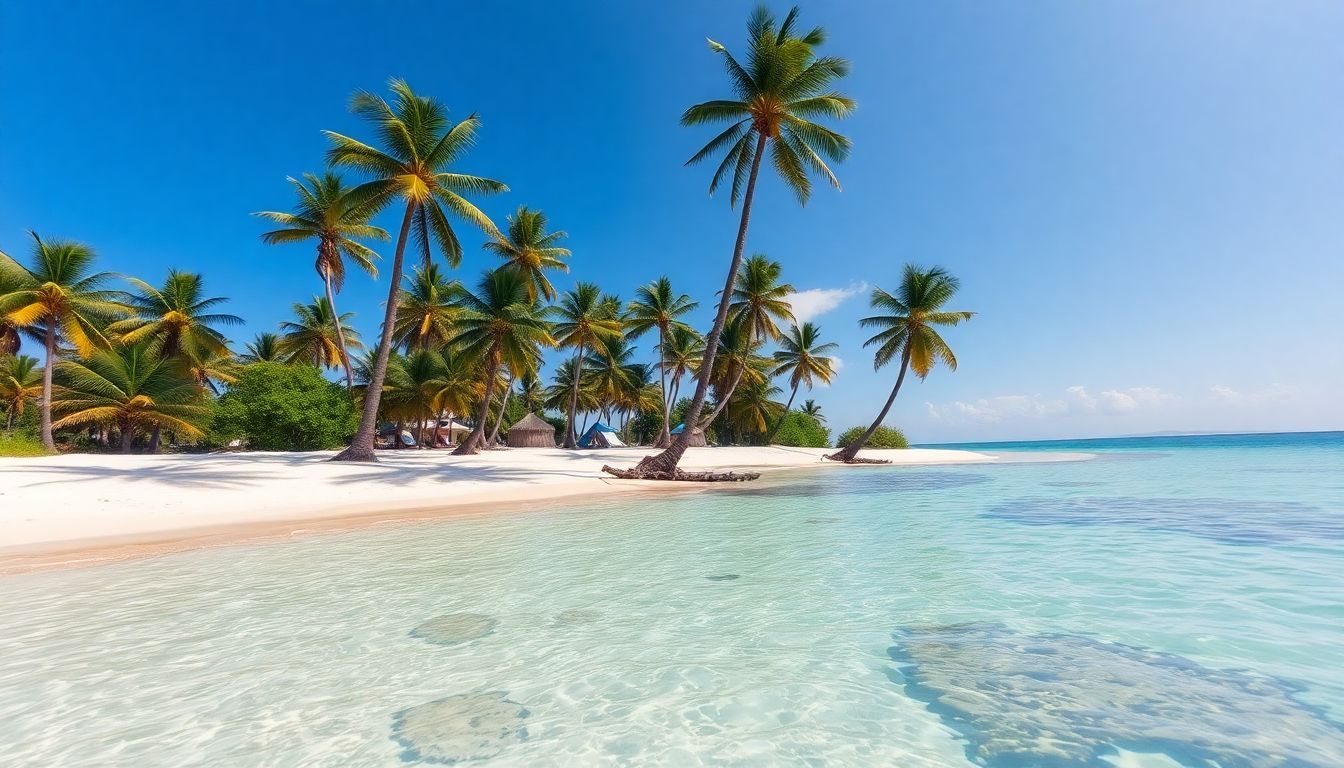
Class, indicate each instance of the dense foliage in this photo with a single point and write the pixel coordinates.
(275, 407)
(801, 430)
(883, 437)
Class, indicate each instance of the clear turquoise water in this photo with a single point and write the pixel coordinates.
(1167, 603)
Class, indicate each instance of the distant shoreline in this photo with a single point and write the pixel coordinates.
(1093, 441)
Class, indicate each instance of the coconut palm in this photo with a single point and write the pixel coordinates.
(753, 407)
(209, 369)
(174, 317)
(311, 338)
(501, 327)
(611, 374)
(657, 307)
(263, 348)
(20, 381)
(418, 146)
(426, 310)
(759, 299)
(779, 92)
(804, 359)
(528, 248)
(328, 213)
(560, 395)
(412, 388)
(582, 319)
(10, 338)
(811, 408)
(531, 393)
(909, 334)
(738, 362)
(681, 354)
(62, 299)
(130, 387)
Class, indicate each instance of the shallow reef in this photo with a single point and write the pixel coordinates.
(458, 729)
(455, 628)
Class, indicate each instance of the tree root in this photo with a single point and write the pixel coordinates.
(678, 474)
(855, 460)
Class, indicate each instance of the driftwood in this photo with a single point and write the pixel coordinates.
(678, 474)
(855, 460)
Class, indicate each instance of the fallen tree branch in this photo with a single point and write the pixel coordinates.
(691, 477)
(855, 460)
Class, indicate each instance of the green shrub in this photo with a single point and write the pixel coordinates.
(801, 430)
(20, 444)
(275, 407)
(884, 437)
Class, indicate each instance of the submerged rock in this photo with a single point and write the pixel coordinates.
(1066, 701)
(577, 616)
(457, 729)
(454, 628)
(724, 577)
(1230, 521)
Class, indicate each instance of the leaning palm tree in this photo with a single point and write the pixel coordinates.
(681, 353)
(130, 387)
(805, 360)
(426, 310)
(501, 326)
(328, 213)
(811, 408)
(174, 317)
(657, 306)
(529, 249)
(61, 298)
(909, 334)
(418, 147)
(759, 299)
(737, 362)
(783, 86)
(20, 381)
(263, 348)
(582, 319)
(311, 337)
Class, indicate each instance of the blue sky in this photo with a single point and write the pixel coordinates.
(1144, 200)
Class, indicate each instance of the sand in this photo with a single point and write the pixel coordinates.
(72, 508)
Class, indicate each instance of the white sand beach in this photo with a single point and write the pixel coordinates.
(82, 503)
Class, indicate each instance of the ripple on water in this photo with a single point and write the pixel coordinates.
(1067, 701)
(1226, 520)
(455, 628)
(887, 480)
(457, 729)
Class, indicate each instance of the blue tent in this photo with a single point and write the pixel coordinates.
(600, 436)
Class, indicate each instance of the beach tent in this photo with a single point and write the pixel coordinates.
(697, 438)
(532, 431)
(600, 436)
(449, 431)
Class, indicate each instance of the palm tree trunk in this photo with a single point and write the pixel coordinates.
(848, 453)
(127, 437)
(571, 439)
(340, 332)
(666, 462)
(782, 416)
(471, 445)
(48, 441)
(503, 406)
(361, 448)
(723, 401)
(154, 436)
(664, 433)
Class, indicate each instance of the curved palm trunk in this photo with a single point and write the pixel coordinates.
(48, 441)
(723, 401)
(503, 406)
(340, 332)
(361, 448)
(572, 439)
(664, 433)
(472, 445)
(780, 422)
(848, 453)
(666, 462)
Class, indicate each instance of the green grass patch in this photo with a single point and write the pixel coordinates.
(21, 445)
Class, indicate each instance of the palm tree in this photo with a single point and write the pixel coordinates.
(312, 337)
(582, 319)
(174, 318)
(657, 306)
(783, 86)
(263, 348)
(754, 407)
(760, 299)
(328, 213)
(418, 147)
(412, 388)
(560, 395)
(208, 369)
(802, 357)
(130, 387)
(426, 310)
(611, 374)
(531, 392)
(10, 339)
(811, 408)
(20, 382)
(681, 354)
(737, 362)
(501, 326)
(63, 299)
(909, 333)
(530, 249)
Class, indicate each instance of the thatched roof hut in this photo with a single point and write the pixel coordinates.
(697, 436)
(532, 431)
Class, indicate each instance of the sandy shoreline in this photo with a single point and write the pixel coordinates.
(82, 509)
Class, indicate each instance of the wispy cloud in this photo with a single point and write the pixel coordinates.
(815, 302)
(1076, 399)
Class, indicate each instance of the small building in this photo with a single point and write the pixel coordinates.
(697, 436)
(532, 431)
(601, 436)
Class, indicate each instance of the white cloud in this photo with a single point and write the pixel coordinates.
(815, 302)
(1274, 393)
(1076, 399)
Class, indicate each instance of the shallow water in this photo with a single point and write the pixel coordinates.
(1161, 605)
